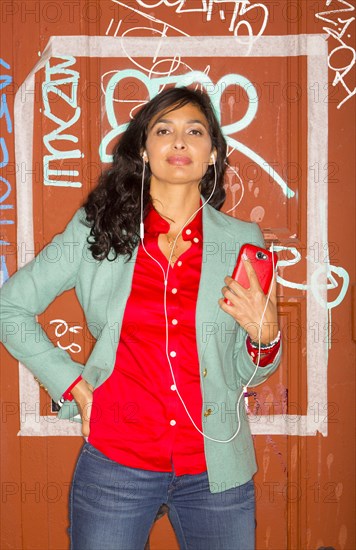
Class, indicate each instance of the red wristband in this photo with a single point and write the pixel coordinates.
(67, 396)
(266, 356)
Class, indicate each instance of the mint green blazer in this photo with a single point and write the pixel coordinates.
(102, 289)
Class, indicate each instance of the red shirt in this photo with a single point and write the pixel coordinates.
(137, 418)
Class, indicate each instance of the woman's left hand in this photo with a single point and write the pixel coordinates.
(247, 305)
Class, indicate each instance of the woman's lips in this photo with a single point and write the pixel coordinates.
(179, 160)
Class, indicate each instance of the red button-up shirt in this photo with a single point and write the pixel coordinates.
(137, 418)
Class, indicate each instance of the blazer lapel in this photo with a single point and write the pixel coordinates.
(220, 250)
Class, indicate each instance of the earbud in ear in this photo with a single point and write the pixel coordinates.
(144, 156)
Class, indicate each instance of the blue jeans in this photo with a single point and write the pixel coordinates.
(113, 507)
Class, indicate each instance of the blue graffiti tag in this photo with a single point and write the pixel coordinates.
(5, 80)
(153, 86)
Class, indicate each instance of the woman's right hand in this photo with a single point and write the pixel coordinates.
(83, 395)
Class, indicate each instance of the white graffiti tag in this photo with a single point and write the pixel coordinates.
(61, 329)
(241, 15)
(57, 79)
(338, 31)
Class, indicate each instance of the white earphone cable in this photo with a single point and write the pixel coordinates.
(165, 278)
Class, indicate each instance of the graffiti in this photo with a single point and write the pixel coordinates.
(232, 174)
(5, 80)
(159, 22)
(160, 28)
(332, 283)
(117, 27)
(241, 8)
(214, 90)
(130, 87)
(62, 329)
(338, 31)
(57, 79)
(236, 8)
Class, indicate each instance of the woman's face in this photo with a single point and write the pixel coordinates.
(179, 146)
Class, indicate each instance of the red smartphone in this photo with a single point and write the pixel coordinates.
(263, 262)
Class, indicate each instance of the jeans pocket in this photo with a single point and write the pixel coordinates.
(95, 453)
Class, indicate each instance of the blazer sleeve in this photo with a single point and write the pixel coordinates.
(28, 293)
(244, 362)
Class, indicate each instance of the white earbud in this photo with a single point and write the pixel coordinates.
(144, 156)
(212, 156)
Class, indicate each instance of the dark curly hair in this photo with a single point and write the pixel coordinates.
(113, 207)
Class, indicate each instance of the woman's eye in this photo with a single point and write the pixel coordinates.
(196, 132)
(162, 131)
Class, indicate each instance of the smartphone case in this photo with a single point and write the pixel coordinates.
(262, 263)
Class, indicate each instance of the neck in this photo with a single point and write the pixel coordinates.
(176, 204)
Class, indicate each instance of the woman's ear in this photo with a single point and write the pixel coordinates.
(213, 157)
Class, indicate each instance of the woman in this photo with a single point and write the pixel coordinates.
(160, 395)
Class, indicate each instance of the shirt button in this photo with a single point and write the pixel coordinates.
(174, 322)
(196, 240)
(179, 263)
(188, 231)
(174, 291)
(172, 354)
(173, 422)
(205, 372)
(173, 388)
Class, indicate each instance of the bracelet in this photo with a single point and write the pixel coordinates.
(256, 345)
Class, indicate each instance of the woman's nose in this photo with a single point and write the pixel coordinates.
(179, 142)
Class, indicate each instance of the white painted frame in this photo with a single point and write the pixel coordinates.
(314, 47)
